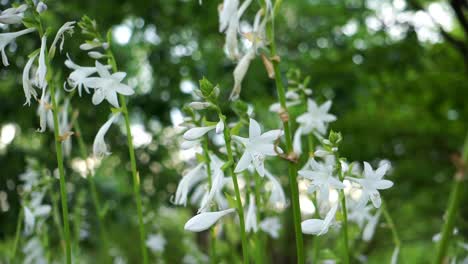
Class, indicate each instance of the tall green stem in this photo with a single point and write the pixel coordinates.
(289, 147)
(454, 202)
(131, 152)
(391, 225)
(210, 180)
(260, 243)
(19, 224)
(63, 187)
(344, 211)
(240, 208)
(92, 187)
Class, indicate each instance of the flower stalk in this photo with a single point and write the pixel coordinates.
(131, 151)
(240, 209)
(453, 205)
(292, 170)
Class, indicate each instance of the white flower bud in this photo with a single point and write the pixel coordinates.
(204, 221)
(197, 132)
(199, 105)
(41, 7)
(189, 144)
(220, 127)
(321, 153)
(95, 55)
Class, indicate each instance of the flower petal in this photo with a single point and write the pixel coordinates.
(312, 226)
(243, 163)
(204, 221)
(254, 129)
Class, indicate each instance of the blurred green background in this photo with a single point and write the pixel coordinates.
(398, 79)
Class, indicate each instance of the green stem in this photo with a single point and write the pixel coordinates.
(208, 169)
(289, 147)
(454, 203)
(240, 208)
(131, 152)
(447, 230)
(259, 247)
(391, 225)
(344, 211)
(92, 187)
(19, 224)
(63, 187)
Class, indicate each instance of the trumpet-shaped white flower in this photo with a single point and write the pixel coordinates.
(60, 36)
(239, 73)
(316, 118)
(271, 226)
(156, 242)
(372, 183)
(13, 15)
(99, 145)
(40, 79)
(216, 186)
(7, 38)
(318, 226)
(257, 146)
(229, 16)
(27, 83)
(197, 132)
(203, 221)
(322, 179)
(192, 178)
(251, 216)
(107, 86)
(44, 112)
(277, 197)
(79, 76)
(370, 227)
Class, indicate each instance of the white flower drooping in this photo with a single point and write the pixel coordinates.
(107, 86)
(40, 79)
(187, 182)
(251, 216)
(27, 83)
(203, 221)
(370, 227)
(277, 197)
(257, 146)
(60, 36)
(372, 183)
(99, 145)
(7, 38)
(318, 226)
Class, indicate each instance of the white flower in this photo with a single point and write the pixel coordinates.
(189, 144)
(108, 85)
(60, 36)
(371, 183)
(239, 73)
(156, 243)
(35, 209)
(369, 229)
(318, 226)
(96, 55)
(271, 226)
(7, 38)
(41, 7)
(13, 15)
(200, 105)
(257, 146)
(40, 79)
(204, 221)
(316, 118)
(187, 182)
(220, 127)
(79, 76)
(44, 111)
(96, 43)
(27, 84)
(216, 186)
(197, 132)
(251, 216)
(99, 145)
(321, 175)
(64, 128)
(34, 252)
(277, 197)
(358, 214)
